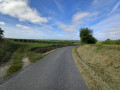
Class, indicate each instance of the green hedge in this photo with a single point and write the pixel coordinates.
(108, 41)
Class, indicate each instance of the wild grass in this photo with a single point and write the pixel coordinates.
(33, 57)
(17, 62)
(6, 51)
(99, 65)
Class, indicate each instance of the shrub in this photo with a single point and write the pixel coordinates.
(86, 36)
(108, 41)
(1, 33)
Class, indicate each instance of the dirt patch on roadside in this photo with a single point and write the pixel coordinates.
(25, 61)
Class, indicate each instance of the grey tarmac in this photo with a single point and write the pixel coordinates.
(56, 71)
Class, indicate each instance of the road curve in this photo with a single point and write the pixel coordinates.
(56, 71)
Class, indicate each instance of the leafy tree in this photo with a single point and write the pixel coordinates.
(1, 33)
(86, 36)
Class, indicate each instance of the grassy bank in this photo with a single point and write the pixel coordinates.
(32, 50)
(17, 61)
(99, 65)
(7, 48)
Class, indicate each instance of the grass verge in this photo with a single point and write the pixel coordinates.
(17, 62)
(33, 57)
(99, 65)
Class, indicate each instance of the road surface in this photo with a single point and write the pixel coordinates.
(56, 71)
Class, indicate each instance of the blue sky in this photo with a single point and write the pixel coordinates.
(59, 19)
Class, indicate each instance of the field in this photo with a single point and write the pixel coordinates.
(99, 65)
(34, 50)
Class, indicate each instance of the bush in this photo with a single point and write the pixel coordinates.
(108, 41)
(86, 36)
(1, 33)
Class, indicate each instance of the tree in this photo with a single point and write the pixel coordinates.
(86, 36)
(1, 33)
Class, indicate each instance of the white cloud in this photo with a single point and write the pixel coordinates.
(22, 26)
(21, 10)
(110, 31)
(59, 6)
(108, 28)
(103, 6)
(2, 23)
(1, 0)
(13, 32)
(115, 8)
(108, 23)
(46, 27)
(67, 27)
(116, 26)
(83, 17)
(77, 18)
(115, 34)
(95, 1)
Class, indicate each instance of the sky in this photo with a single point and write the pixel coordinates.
(60, 19)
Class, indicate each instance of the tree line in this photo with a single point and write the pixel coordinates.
(45, 41)
(108, 41)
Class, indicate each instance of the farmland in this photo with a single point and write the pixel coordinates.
(32, 49)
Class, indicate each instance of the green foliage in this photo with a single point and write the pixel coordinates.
(1, 33)
(108, 41)
(86, 36)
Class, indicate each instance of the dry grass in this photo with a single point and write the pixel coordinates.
(100, 67)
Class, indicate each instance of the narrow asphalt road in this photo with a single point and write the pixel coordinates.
(56, 71)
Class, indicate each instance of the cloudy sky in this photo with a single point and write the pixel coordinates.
(59, 19)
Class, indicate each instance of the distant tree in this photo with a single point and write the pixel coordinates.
(108, 39)
(1, 33)
(86, 36)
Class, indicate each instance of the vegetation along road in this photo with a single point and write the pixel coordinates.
(56, 71)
